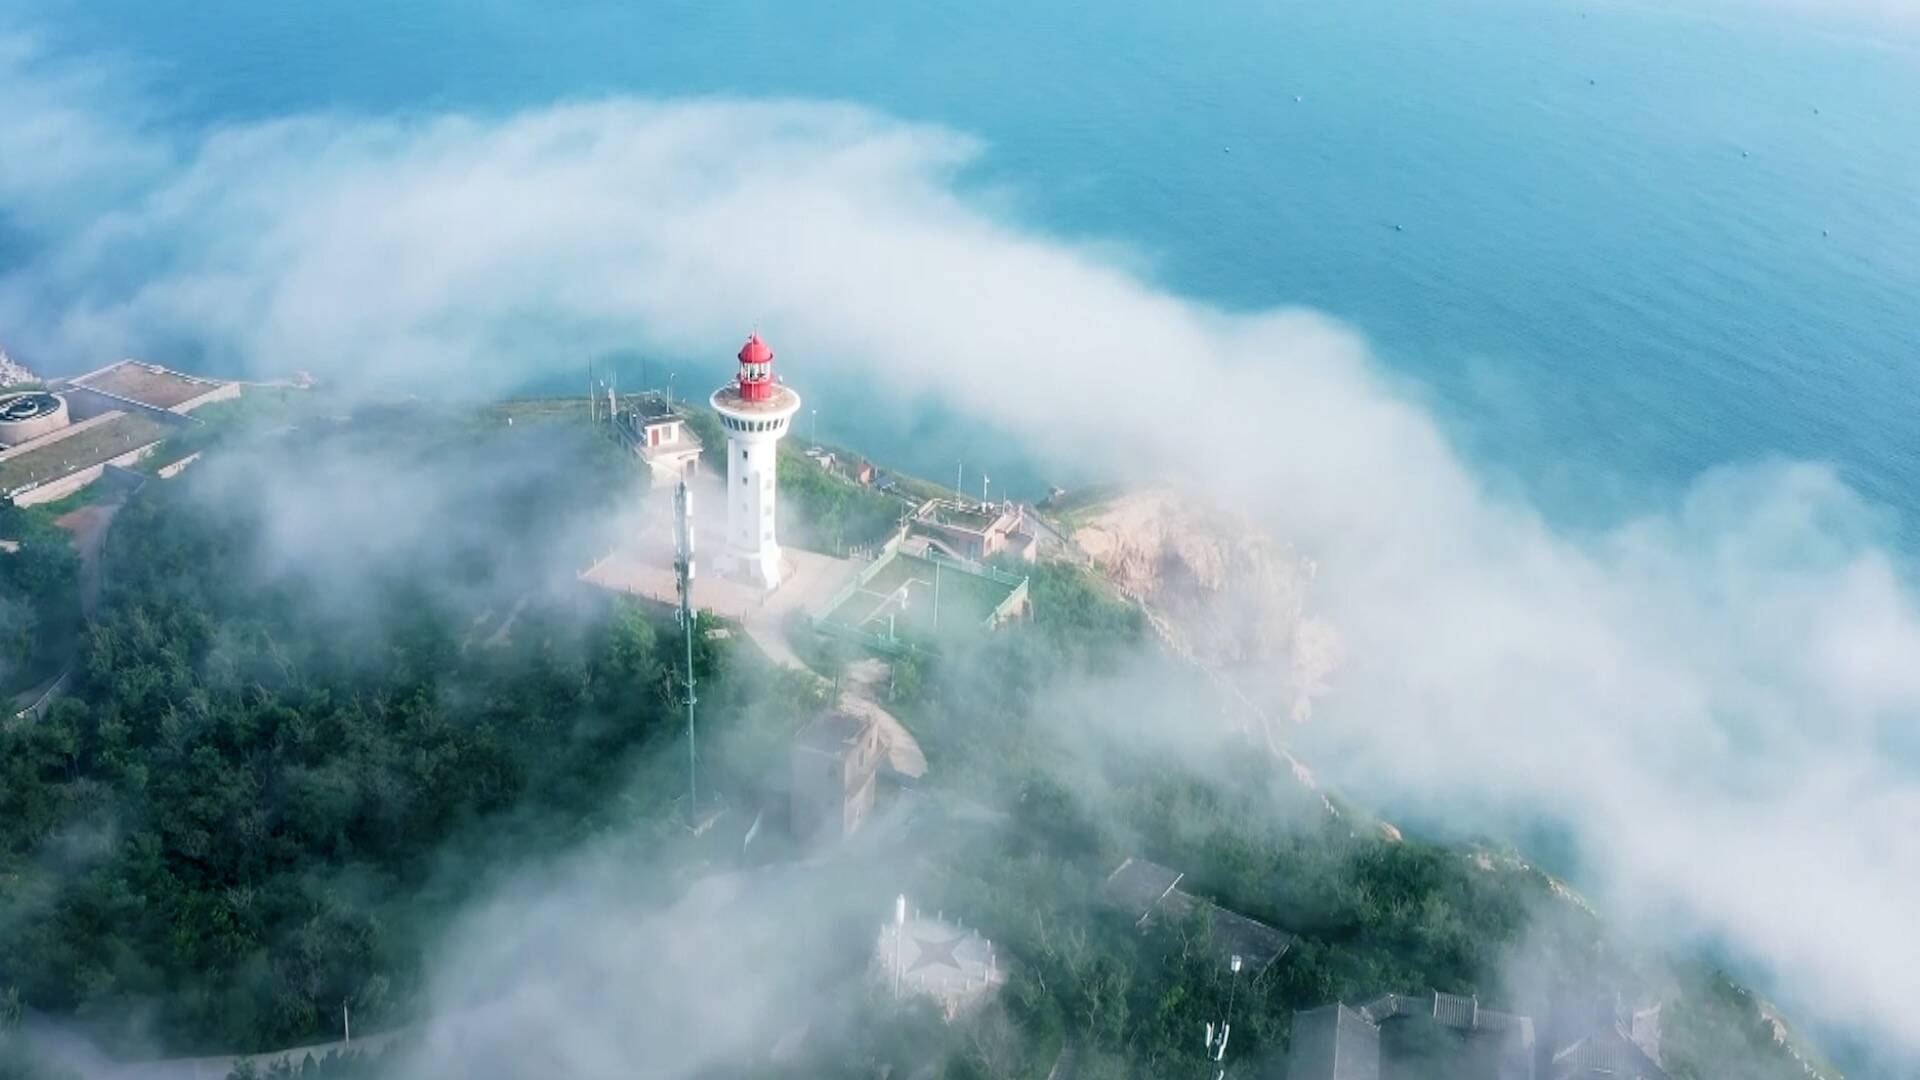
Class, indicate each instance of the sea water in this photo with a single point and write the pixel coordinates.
(1612, 244)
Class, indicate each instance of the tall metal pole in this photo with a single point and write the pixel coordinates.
(959, 471)
(693, 755)
(683, 572)
(899, 926)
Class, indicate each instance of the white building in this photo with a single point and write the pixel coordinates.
(659, 436)
(755, 409)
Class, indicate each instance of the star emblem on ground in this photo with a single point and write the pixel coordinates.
(936, 952)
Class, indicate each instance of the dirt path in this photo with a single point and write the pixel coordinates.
(89, 526)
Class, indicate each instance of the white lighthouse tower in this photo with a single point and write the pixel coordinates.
(755, 410)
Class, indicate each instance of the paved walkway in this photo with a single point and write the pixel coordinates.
(860, 692)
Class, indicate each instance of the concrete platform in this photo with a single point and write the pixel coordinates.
(643, 566)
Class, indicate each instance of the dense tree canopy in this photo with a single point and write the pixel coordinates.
(260, 797)
(331, 697)
(38, 605)
(1373, 912)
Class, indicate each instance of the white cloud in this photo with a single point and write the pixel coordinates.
(55, 144)
(1708, 695)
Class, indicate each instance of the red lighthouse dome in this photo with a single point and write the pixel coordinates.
(756, 351)
(756, 370)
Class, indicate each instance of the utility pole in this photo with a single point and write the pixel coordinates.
(959, 470)
(984, 481)
(815, 413)
(683, 574)
(346, 1024)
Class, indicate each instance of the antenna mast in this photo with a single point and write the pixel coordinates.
(1217, 1034)
(683, 574)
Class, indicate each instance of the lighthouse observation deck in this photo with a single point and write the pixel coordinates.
(741, 414)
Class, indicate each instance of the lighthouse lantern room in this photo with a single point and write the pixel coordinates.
(755, 408)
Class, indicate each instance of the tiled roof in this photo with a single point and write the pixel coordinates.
(1144, 889)
(1605, 1055)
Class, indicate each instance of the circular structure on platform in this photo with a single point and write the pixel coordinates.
(29, 414)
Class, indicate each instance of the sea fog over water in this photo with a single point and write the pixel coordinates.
(1609, 246)
(1612, 244)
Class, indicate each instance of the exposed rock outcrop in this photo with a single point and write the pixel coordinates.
(1233, 598)
(13, 373)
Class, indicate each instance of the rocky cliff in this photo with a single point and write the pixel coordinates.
(1230, 595)
(13, 373)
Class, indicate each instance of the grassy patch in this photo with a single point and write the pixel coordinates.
(99, 443)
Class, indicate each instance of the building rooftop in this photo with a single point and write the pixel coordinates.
(1339, 1042)
(79, 447)
(1146, 889)
(1334, 1043)
(1233, 934)
(832, 731)
(148, 384)
(1137, 886)
(944, 960)
(653, 410)
(971, 517)
(27, 405)
(1608, 1053)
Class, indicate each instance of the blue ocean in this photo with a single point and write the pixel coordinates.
(1612, 244)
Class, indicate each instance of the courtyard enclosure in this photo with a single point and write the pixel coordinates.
(902, 601)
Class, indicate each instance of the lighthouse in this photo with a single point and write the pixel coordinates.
(755, 409)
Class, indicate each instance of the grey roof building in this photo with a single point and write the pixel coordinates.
(1334, 1043)
(1341, 1042)
(836, 760)
(1602, 1040)
(659, 436)
(1605, 1055)
(1147, 891)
